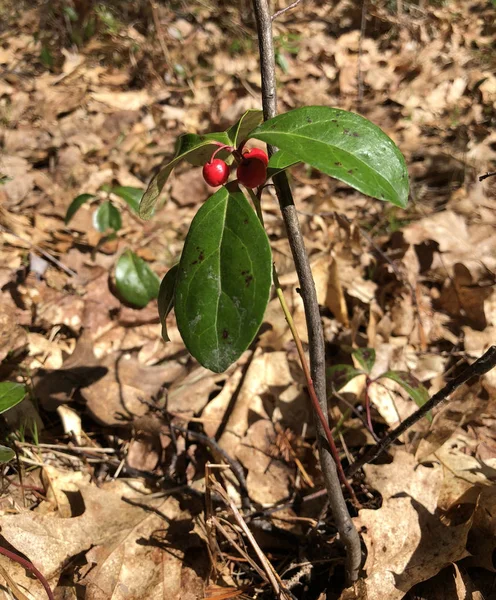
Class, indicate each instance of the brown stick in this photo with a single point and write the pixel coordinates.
(481, 366)
(344, 524)
(285, 9)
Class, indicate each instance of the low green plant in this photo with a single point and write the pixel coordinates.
(221, 286)
(284, 44)
(11, 394)
(136, 283)
(340, 375)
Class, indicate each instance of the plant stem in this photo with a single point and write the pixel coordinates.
(345, 526)
(304, 365)
(31, 568)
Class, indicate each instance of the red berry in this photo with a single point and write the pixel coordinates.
(252, 171)
(215, 172)
(258, 154)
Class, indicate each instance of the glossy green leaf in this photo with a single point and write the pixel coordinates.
(135, 281)
(412, 387)
(131, 195)
(247, 122)
(75, 205)
(196, 149)
(365, 358)
(280, 161)
(11, 393)
(6, 454)
(106, 217)
(340, 375)
(166, 296)
(343, 145)
(224, 279)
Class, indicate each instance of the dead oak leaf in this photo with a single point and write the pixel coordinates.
(406, 541)
(160, 555)
(135, 548)
(118, 396)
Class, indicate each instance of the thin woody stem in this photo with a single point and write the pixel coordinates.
(344, 524)
(304, 365)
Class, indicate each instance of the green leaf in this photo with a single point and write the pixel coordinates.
(412, 387)
(197, 149)
(107, 216)
(46, 57)
(280, 161)
(6, 454)
(340, 375)
(75, 205)
(343, 145)
(11, 393)
(166, 296)
(224, 279)
(247, 122)
(365, 358)
(131, 195)
(135, 281)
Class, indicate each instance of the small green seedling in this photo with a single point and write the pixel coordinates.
(11, 394)
(136, 283)
(340, 375)
(221, 286)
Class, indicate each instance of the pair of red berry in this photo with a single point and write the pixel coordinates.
(251, 171)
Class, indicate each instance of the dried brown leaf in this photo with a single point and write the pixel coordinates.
(405, 538)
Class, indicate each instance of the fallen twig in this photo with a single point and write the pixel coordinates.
(272, 576)
(236, 468)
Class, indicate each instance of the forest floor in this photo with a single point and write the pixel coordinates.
(105, 495)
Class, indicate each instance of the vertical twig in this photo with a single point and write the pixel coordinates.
(304, 365)
(346, 528)
(360, 52)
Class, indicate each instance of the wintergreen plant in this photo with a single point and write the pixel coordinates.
(221, 286)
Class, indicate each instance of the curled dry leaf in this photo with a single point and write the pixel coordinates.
(268, 479)
(264, 371)
(405, 538)
(125, 537)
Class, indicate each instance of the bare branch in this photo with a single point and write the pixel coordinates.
(481, 366)
(346, 528)
(283, 10)
(491, 174)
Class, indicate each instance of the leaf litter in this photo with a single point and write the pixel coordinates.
(100, 467)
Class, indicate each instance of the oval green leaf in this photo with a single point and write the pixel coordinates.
(75, 205)
(131, 195)
(280, 161)
(224, 279)
(6, 454)
(135, 281)
(106, 217)
(343, 145)
(365, 358)
(245, 125)
(412, 386)
(11, 393)
(166, 296)
(197, 149)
